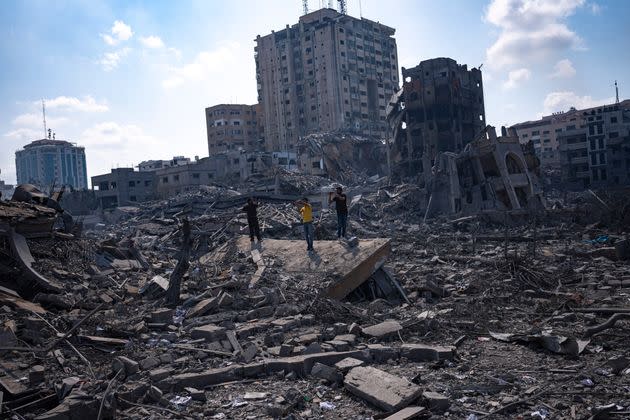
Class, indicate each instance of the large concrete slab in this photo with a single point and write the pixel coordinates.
(380, 388)
(352, 265)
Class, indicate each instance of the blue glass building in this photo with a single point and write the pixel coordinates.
(50, 162)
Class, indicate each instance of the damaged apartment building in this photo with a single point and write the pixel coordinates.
(440, 138)
(329, 72)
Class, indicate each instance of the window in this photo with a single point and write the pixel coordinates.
(546, 132)
(570, 127)
(613, 120)
(175, 177)
(195, 176)
(558, 130)
(165, 180)
(236, 123)
(132, 183)
(147, 183)
(536, 133)
(132, 198)
(613, 135)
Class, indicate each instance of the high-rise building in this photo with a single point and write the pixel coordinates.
(233, 127)
(546, 132)
(595, 152)
(440, 108)
(328, 72)
(48, 161)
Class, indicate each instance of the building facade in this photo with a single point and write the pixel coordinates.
(546, 132)
(124, 187)
(233, 127)
(597, 154)
(328, 72)
(48, 161)
(440, 108)
(153, 165)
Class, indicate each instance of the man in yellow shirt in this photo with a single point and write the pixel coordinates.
(306, 211)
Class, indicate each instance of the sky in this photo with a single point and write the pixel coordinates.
(130, 80)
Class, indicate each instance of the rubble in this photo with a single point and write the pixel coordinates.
(457, 317)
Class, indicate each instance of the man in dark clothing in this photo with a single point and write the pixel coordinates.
(341, 205)
(252, 219)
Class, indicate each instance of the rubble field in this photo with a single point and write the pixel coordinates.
(487, 316)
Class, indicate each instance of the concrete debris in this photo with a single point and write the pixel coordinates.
(380, 388)
(414, 319)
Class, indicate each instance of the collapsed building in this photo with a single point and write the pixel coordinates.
(440, 108)
(440, 139)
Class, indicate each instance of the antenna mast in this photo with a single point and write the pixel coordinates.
(616, 92)
(342, 7)
(44, 114)
(305, 6)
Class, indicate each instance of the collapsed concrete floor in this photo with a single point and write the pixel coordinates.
(494, 328)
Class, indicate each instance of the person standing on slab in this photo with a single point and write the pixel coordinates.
(306, 211)
(341, 205)
(252, 219)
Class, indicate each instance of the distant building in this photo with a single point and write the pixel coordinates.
(233, 127)
(46, 162)
(124, 187)
(328, 72)
(596, 153)
(440, 108)
(152, 165)
(545, 132)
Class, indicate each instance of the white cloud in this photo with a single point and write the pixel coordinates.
(152, 41)
(202, 67)
(119, 32)
(25, 134)
(516, 77)
(70, 103)
(562, 101)
(110, 133)
(563, 70)
(111, 60)
(531, 30)
(35, 120)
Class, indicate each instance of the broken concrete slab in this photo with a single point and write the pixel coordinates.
(382, 330)
(203, 307)
(426, 352)
(328, 373)
(380, 388)
(352, 266)
(407, 413)
(208, 332)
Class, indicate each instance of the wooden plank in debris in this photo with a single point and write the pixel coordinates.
(89, 339)
(20, 303)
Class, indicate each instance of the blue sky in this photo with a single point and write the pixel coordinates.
(129, 80)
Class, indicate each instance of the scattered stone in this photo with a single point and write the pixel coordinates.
(154, 394)
(162, 316)
(348, 363)
(255, 396)
(37, 375)
(128, 366)
(323, 371)
(149, 363)
(436, 401)
(196, 394)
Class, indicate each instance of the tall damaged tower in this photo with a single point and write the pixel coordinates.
(439, 109)
(328, 72)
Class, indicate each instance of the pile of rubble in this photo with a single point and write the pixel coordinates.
(462, 318)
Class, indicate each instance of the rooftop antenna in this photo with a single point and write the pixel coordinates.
(305, 6)
(330, 4)
(44, 113)
(616, 92)
(342, 7)
(360, 10)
